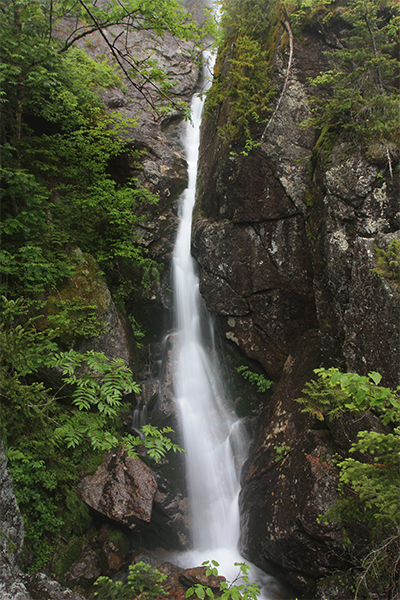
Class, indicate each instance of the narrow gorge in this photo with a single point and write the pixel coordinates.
(241, 262)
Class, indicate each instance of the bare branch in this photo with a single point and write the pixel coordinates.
(51, 21)
(120, 57)
(287, 25)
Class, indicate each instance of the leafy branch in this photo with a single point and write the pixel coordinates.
(263, 384)
(239, 588)
(144, 582)
(369, 488)
(153, 440)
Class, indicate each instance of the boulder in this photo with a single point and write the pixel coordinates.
(197, 575)
(122, 489)
(115, 338)
(85, 570)
(114, 547)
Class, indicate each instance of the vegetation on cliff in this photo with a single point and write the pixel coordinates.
(53, 435)
(63, 213)
(358, 94)
(369, 475)
(242, 75)
(58, 140)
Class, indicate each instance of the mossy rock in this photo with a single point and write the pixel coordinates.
(78, 308)
(66, 555)
(114, 547)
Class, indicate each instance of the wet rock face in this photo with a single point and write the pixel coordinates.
(290, 479)
(12, 533)
(285, 240)
(258, 276)
(371, 321)
(351, 212)
(250, 236)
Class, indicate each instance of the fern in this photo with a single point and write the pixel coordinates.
(263, 384)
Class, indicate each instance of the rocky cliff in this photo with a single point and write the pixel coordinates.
(285, 237)
(160, 167)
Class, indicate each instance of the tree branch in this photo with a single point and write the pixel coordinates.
(287, 25)
(120, 59)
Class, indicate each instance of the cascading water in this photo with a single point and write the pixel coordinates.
(206, 423)
(212, 436)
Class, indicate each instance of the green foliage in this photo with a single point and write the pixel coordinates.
(248, 32)
(369, 487)
(76, 318)
(374, 481)
(53, 435)
(154, 440)
(58, 194)
(389, 261)
(335, 392)
(58, 140)
(257, 379)
(281, 451)
(143, 582)
(305, 13)
(67, 555)
(239, 588)
(137, 331)
(363, 99)
(98, 385)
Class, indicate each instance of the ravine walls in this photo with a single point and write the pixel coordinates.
(285, 236)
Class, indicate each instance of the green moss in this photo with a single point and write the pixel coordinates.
(309, 198)
(66, 556)
(77, 519)
(324, 145)
(77, 308)
(389, 261)
(119, 538)
(242, 75)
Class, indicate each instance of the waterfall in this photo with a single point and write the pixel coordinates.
(212, 434)
(206, 420)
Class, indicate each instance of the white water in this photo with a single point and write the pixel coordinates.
(209, 426)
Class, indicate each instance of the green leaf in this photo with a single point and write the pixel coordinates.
(200, 593)
(376, 377)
